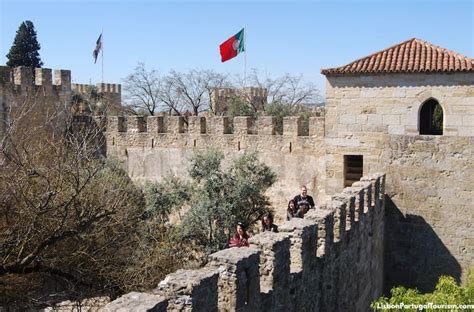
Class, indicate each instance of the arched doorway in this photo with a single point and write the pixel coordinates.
(431, 118)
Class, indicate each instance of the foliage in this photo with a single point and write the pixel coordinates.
(446, 292)
(90, 102)
(161, 198)
(71, 221)
(24, 51)
(221, 197)
(281, 110)
(238, 107)
(438, 119)
(65, 212)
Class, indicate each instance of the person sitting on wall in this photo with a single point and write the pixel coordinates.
(292, 211)
(241, 237)
(303, 201)
(267, 223)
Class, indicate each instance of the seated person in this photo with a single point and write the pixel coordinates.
(292, 211)
(303, 201)
(267, 223)
(241, 237)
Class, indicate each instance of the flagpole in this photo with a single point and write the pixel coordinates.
(245, 56)
(102, 43)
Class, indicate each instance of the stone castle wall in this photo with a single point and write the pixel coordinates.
(430, 178)
(391, 103)
(153, 147)
(43, 93)
(330, 261)
(111, 92)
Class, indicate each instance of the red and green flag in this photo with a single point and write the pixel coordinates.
(232, 46)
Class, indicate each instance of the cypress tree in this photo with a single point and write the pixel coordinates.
(24, 51)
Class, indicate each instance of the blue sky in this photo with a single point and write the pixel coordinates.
(297, 37)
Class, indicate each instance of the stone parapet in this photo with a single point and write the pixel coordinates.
(20, 80)
(138, 302)
(190, 290)
(242, 125)
(321, 263)
(292, 126)
(239, 284)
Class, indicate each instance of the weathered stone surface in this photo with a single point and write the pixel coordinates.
(190, 290)
(139, 302)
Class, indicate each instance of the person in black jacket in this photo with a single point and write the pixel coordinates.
(292, 211)
(303, 201)
(267, 223)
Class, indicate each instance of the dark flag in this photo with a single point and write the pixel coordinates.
(98, 47)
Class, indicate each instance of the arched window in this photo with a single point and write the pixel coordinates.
(431, 118)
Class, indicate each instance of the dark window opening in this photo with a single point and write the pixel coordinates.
(353, 169)
(431, 118)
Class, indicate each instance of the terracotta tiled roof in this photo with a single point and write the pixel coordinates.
(411, 56)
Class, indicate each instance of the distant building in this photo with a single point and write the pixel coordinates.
(254, 96)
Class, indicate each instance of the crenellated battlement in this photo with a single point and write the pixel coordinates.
(242, 125)
(330, 261)
(255, 96)
(110, 88)
(22, 77)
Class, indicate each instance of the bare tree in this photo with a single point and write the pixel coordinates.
(65, 211)
(171, 96)
(196, 87)
(143, 88)
(287, 90)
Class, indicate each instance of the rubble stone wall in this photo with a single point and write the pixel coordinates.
(153, 147)
(330, 261)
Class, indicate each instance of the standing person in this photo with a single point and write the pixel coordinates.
(303, 201)
(267, 223)
(241, 237)
(292, 211)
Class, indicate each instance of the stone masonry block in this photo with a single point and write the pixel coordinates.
(139, 302)
(196, 124)
(190, 290)
(468, 120)
(303, 236)
(347, 119)
(266, 125)
(316, 126)
(155, 124)
(454, 120)
(175, 124)
(292, 126)
(239, 278)
(374, 119)
(242, 125)
(274, 268)
(136, 124)
(220, 125)
(391, 119)
(325, 222)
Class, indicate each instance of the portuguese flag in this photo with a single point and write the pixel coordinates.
(232, 46)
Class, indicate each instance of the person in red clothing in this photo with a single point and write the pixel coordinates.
(241, 237)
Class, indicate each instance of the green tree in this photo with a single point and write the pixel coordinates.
(446, 292)
(162, 197)
(24, 51)
(438, 119)
(221, 197)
